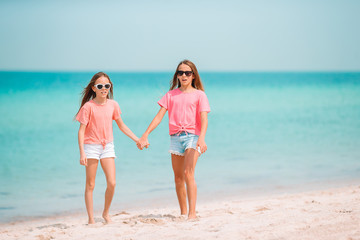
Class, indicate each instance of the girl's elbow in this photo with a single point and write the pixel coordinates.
(120, 124)
(123, 128)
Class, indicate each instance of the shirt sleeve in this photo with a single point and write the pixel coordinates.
(163, 102)
(117, 111)
(204, 105)
(83, 116)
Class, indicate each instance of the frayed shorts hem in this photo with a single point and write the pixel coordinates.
(102, 157)
(183, 154)
(176, 153)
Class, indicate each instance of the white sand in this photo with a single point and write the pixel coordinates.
(330, 214)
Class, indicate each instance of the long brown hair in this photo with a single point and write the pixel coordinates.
(88, 94)
(196, 82)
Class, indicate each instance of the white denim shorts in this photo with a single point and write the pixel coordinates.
(97, 151)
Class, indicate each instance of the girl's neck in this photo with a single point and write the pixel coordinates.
(187, 88)
(100, 101)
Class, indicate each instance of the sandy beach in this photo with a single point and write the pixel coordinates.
(327, 214)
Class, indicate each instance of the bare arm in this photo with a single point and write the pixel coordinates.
(204, 124)
(81, 134)
(122, 126)
(154, 123)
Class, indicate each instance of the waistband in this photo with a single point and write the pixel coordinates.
(182, 133)
(102, 143)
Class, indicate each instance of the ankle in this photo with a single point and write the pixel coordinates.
(107, 218)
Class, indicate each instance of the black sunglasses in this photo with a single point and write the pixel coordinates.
(100, 86)
(187, 73)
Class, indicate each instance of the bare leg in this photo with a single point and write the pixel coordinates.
(191, 157)
(178, 168)
(108, 165)
(89, 187)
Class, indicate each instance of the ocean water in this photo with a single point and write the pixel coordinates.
(265, 130)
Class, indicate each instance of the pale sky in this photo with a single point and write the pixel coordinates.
(226, 35)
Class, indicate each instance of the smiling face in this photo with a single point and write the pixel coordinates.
(184, 80)
(103, 92)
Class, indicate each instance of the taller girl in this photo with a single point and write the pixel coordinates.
(96, 113)
(188, 107)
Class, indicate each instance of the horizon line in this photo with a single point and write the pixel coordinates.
(171, 71)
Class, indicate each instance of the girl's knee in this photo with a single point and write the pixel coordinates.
(179, 180)
(111, 184)
(90, 185)
(189, 174)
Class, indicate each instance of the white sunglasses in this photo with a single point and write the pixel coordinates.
(100, 86)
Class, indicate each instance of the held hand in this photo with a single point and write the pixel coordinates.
(143, 142)
(83, 159)
(202, 145)
(138, 144)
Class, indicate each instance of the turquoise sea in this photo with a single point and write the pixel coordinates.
(266, 130)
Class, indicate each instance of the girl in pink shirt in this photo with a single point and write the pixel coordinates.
(96, 113)
(187, 107)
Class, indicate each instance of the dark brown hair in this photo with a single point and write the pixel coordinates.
(88, 94)
(196, 82)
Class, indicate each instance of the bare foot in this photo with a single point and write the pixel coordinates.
(91, 221)
(107, 218)
(192, 217)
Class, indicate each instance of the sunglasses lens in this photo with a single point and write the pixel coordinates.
(188, 73)
(99, 86)
(180, 73)
(107, 86)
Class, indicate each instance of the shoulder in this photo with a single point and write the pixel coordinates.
(112, 101)
(200, 93)
(173, 92)
(170, 94)
(88, 105)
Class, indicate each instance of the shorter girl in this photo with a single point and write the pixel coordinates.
(95, 137)
(187, 107)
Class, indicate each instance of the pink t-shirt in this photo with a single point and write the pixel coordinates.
(184, 110)
(98, 120)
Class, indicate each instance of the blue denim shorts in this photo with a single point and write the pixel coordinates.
(180, 142)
